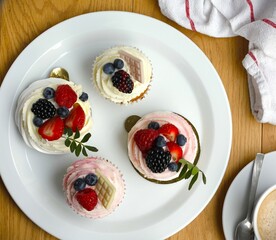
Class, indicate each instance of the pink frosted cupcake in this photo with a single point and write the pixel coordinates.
(94, 187)
(160, 144)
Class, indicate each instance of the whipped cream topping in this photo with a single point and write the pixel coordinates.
(190, 149)
(79, 169)
(103, 81)
(24, 116)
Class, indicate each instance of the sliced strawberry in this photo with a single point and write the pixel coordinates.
(87, 198)
(76, 118)
(169, 131)
(144, 139)
(65, 96)
(175, 150)
(52, 129)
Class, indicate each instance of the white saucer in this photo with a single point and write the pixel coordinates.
(235, 203)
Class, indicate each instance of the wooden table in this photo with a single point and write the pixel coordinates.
(22, 21)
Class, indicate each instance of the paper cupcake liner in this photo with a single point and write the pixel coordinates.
(75, 170)
(135, 99)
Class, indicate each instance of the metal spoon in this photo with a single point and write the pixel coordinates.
(59, 73)
(244, 230)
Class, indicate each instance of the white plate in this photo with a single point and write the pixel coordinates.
(184, 81)
(235, 203)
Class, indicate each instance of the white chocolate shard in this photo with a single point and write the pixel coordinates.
(105, 190)
(135, 65)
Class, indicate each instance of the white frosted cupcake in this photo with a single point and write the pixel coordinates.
(94, 187)
(46, 107)
(122, 74)
(158, 141)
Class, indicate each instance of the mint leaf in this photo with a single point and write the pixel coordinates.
(75, 145)
(77, 134)
(84, 152)
(67, 142)
(78, 149)
(183, 171)
(90, 148)
(86, 137)
(203, 177)
(193, 181)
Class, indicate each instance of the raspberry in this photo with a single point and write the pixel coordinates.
(87, 198)
(65, 96)
(122, 81)
(157, 159)
(43, 109)
(145, 138)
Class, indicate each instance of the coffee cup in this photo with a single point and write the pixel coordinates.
(264, 217)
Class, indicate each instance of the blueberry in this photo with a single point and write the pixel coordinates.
(118, 63)
(37, 121)
(160, 141)
(79, 184)
(49, 93)
(91, 179)
(83, 97)
(154, 125)
(63, 112)
(108, 68)
(181, 140)
(173, 166)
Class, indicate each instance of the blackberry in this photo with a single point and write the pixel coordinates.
(122, 81)
(43, 108)
(157, 159)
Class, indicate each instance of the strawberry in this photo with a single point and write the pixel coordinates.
(76, 118)
(175, 150)
(169, 131)
(65, 96)
(144, 139)
(87, 198)
(52, 129)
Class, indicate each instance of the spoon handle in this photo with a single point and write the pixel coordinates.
(254, 182)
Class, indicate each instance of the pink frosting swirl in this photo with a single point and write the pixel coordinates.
(190, 149)
(79, 169)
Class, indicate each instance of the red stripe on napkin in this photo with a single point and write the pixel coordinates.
(188, 15)
(253, 57)
(252, 18)
(269, 22)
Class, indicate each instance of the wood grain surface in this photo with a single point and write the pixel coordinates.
(23, 20)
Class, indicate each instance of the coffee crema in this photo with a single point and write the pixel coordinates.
(266, 219)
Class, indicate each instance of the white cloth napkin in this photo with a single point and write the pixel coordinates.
(254, 20)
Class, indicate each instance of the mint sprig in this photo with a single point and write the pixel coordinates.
(75, 145)
(190, 170)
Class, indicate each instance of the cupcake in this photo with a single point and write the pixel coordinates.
(122, 74)
(48, 107)
(160, 144)
(94, 187)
